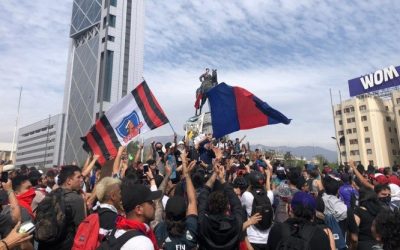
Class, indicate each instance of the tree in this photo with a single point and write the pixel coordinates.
(320, 159)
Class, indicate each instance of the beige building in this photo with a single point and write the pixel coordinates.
(367, 129)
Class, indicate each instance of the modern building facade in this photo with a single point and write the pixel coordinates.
(105, 63)
(39, 144)
(367, 129)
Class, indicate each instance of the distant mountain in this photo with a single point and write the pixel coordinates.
(306, 151)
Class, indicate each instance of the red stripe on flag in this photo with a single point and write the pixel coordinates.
(152, 115)
(112, 150)
(95, 148)
(249, 115)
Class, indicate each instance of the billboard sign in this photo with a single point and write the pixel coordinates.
(380, 79)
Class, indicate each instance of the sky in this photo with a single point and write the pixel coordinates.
(288, 53)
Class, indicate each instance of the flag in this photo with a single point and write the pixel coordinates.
(235, 108)
(135, 114)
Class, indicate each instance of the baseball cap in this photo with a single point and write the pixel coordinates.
(137, 194)
(176, 208)
(380, 178)
(304, 199)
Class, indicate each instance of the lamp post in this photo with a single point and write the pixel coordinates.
(338, 146)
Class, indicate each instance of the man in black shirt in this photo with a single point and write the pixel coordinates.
(299, 229)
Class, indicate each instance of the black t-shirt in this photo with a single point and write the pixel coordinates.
(187, 241)
(319, 240)
(6, 224)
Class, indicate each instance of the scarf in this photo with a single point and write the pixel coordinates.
(25, 200)
(124, 223)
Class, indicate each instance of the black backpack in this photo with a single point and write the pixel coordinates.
(110, 242)
(50, 220)
(297, 238)
(262, 205)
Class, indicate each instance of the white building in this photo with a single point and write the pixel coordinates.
(107, 42)
(39, 144)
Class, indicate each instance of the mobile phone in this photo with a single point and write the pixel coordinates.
(4, 177)
(172, 164)
(145, 168)
(26, 227)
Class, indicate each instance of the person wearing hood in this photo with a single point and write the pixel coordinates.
(364, 215)
(219, 214)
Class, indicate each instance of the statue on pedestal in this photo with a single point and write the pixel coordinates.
(208, 81)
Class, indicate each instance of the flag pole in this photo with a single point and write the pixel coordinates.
(173, 130)
(142, 153)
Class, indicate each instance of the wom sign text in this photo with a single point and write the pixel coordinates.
(381, 79)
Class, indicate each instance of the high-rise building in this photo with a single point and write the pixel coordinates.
(105, 63)
(367, 129)
(39, 143)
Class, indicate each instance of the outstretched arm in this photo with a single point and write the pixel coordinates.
(360, 176)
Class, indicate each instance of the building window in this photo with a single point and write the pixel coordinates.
(354, 152)
(395, 130)
(390, 129)
(340, 132)
(363, 107)
(348, 131)
(386, 108)
(392, 140)
(351, 109)
(366, 129)
(399, 111)
(367, 140)
(340, 122)
(107, 75)
(353, 141)
(346, 110)
(397, 100)
(388, 118)
(394, 152)
(104, 22)
(112, 20)
(111, 38)
(338, 112)
(369, 151)
(354, 130)
(343, 153)
(363, 118)
(113, 3)
(350, 120)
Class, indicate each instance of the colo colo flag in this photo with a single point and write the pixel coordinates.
(135, 114)
(235, 108)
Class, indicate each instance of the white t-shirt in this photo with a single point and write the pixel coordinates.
(139, 242)
(254, 234)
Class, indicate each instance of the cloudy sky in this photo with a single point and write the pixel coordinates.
(288, 53)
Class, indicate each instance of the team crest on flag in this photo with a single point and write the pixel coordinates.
(129, 127)
(135, 114)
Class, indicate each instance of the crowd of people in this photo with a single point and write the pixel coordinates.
(210, 195)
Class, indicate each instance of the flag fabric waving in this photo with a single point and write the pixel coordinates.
(135, 114)
(235, 108)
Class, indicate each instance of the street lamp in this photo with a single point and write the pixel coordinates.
(338, 146)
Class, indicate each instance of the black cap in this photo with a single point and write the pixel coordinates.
(176, 208)
(137, 194)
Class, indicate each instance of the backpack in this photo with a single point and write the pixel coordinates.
(112, 243)
(331, 222)
(50, 221)
(87, 234)
(298, 240)
(262, 205)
